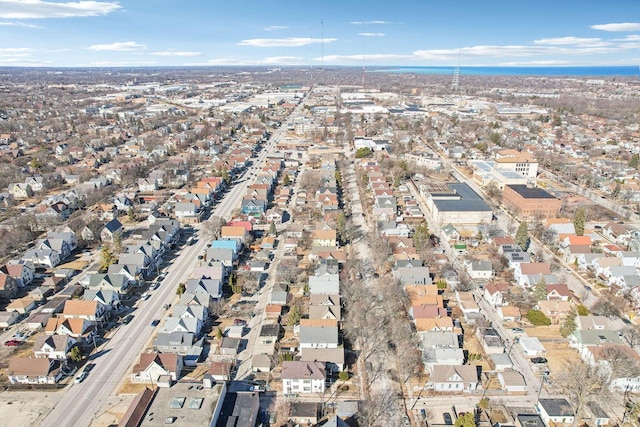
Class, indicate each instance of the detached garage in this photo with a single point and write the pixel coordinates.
(512, 382)
(532, 346)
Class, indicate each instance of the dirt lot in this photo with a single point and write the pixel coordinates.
(26, 408)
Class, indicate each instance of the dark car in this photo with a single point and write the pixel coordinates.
(128, 318)
(12, 343)
(155, 322)
(447, 418)
(538, 360)
(588, 288)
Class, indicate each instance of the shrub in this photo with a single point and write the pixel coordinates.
(538, 318)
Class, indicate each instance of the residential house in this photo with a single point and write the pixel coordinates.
(22, 305)
(8, 286)
(480, 269)
(27, 370)
(318, 337)
(495, 292)
(454, 379)
(105, 297)
(111, 232)
(324, 238)
(185, 344)
(153, 365)
(42, 257)
(558, 292)
(303, 377)
(328, 284)
(53, 346)
(111, 281)
(92, 311)
(556, 310)
(21, 271)
(81, 329)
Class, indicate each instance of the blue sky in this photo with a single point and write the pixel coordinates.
(129, 33)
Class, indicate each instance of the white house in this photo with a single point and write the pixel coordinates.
(303, 377)
(454, 379)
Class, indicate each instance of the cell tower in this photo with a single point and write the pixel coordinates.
(455, 84)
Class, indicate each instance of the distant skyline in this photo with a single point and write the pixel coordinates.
(133, 33)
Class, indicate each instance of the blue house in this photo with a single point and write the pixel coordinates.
(253, 207)
(234, 245)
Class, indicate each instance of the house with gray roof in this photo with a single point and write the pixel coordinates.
(185, 344)
(225, 256)
(328, 284)
(413, 275)
(111, 231)
(318, 337)
(279, 295)
(333, 357)
(210, 287)
(178, 324)
(107, 297)
(110, 281)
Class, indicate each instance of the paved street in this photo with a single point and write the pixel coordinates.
(81, 403)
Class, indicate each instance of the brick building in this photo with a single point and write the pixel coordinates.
(530, 202)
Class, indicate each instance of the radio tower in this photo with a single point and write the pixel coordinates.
(455, 84)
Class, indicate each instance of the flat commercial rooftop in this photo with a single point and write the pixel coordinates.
(187, 404)
(468, 200)
(531, 192)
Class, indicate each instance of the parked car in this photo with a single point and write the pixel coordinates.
(81, 377)
(155, 322)
(128, 318)
(517, 330)
(239, 322)
(447, 418)
(588, 288)
(405, 421)
(538, 360)
(12, 343)
(256, 388)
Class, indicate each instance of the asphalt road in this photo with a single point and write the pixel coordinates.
(82, 403)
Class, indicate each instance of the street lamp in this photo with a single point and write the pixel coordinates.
(542, 381)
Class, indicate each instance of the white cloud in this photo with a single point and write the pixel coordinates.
(371, 22)
(288, 42)
(176, 53)
(118, 47)
(38, 9)
(18, 24)
(621, 26)
(371, 34)
(121, 63)
(22, 62)
(366, 58)
(568, 41)
(275, 27)
(272, 60)
(14, 50)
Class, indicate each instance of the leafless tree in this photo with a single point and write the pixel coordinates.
(621, 363)
(583, 383)
(631, 335)
(212, 227)
(608, 306)
(380, 406)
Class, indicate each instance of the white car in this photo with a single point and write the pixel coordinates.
(80, 377)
